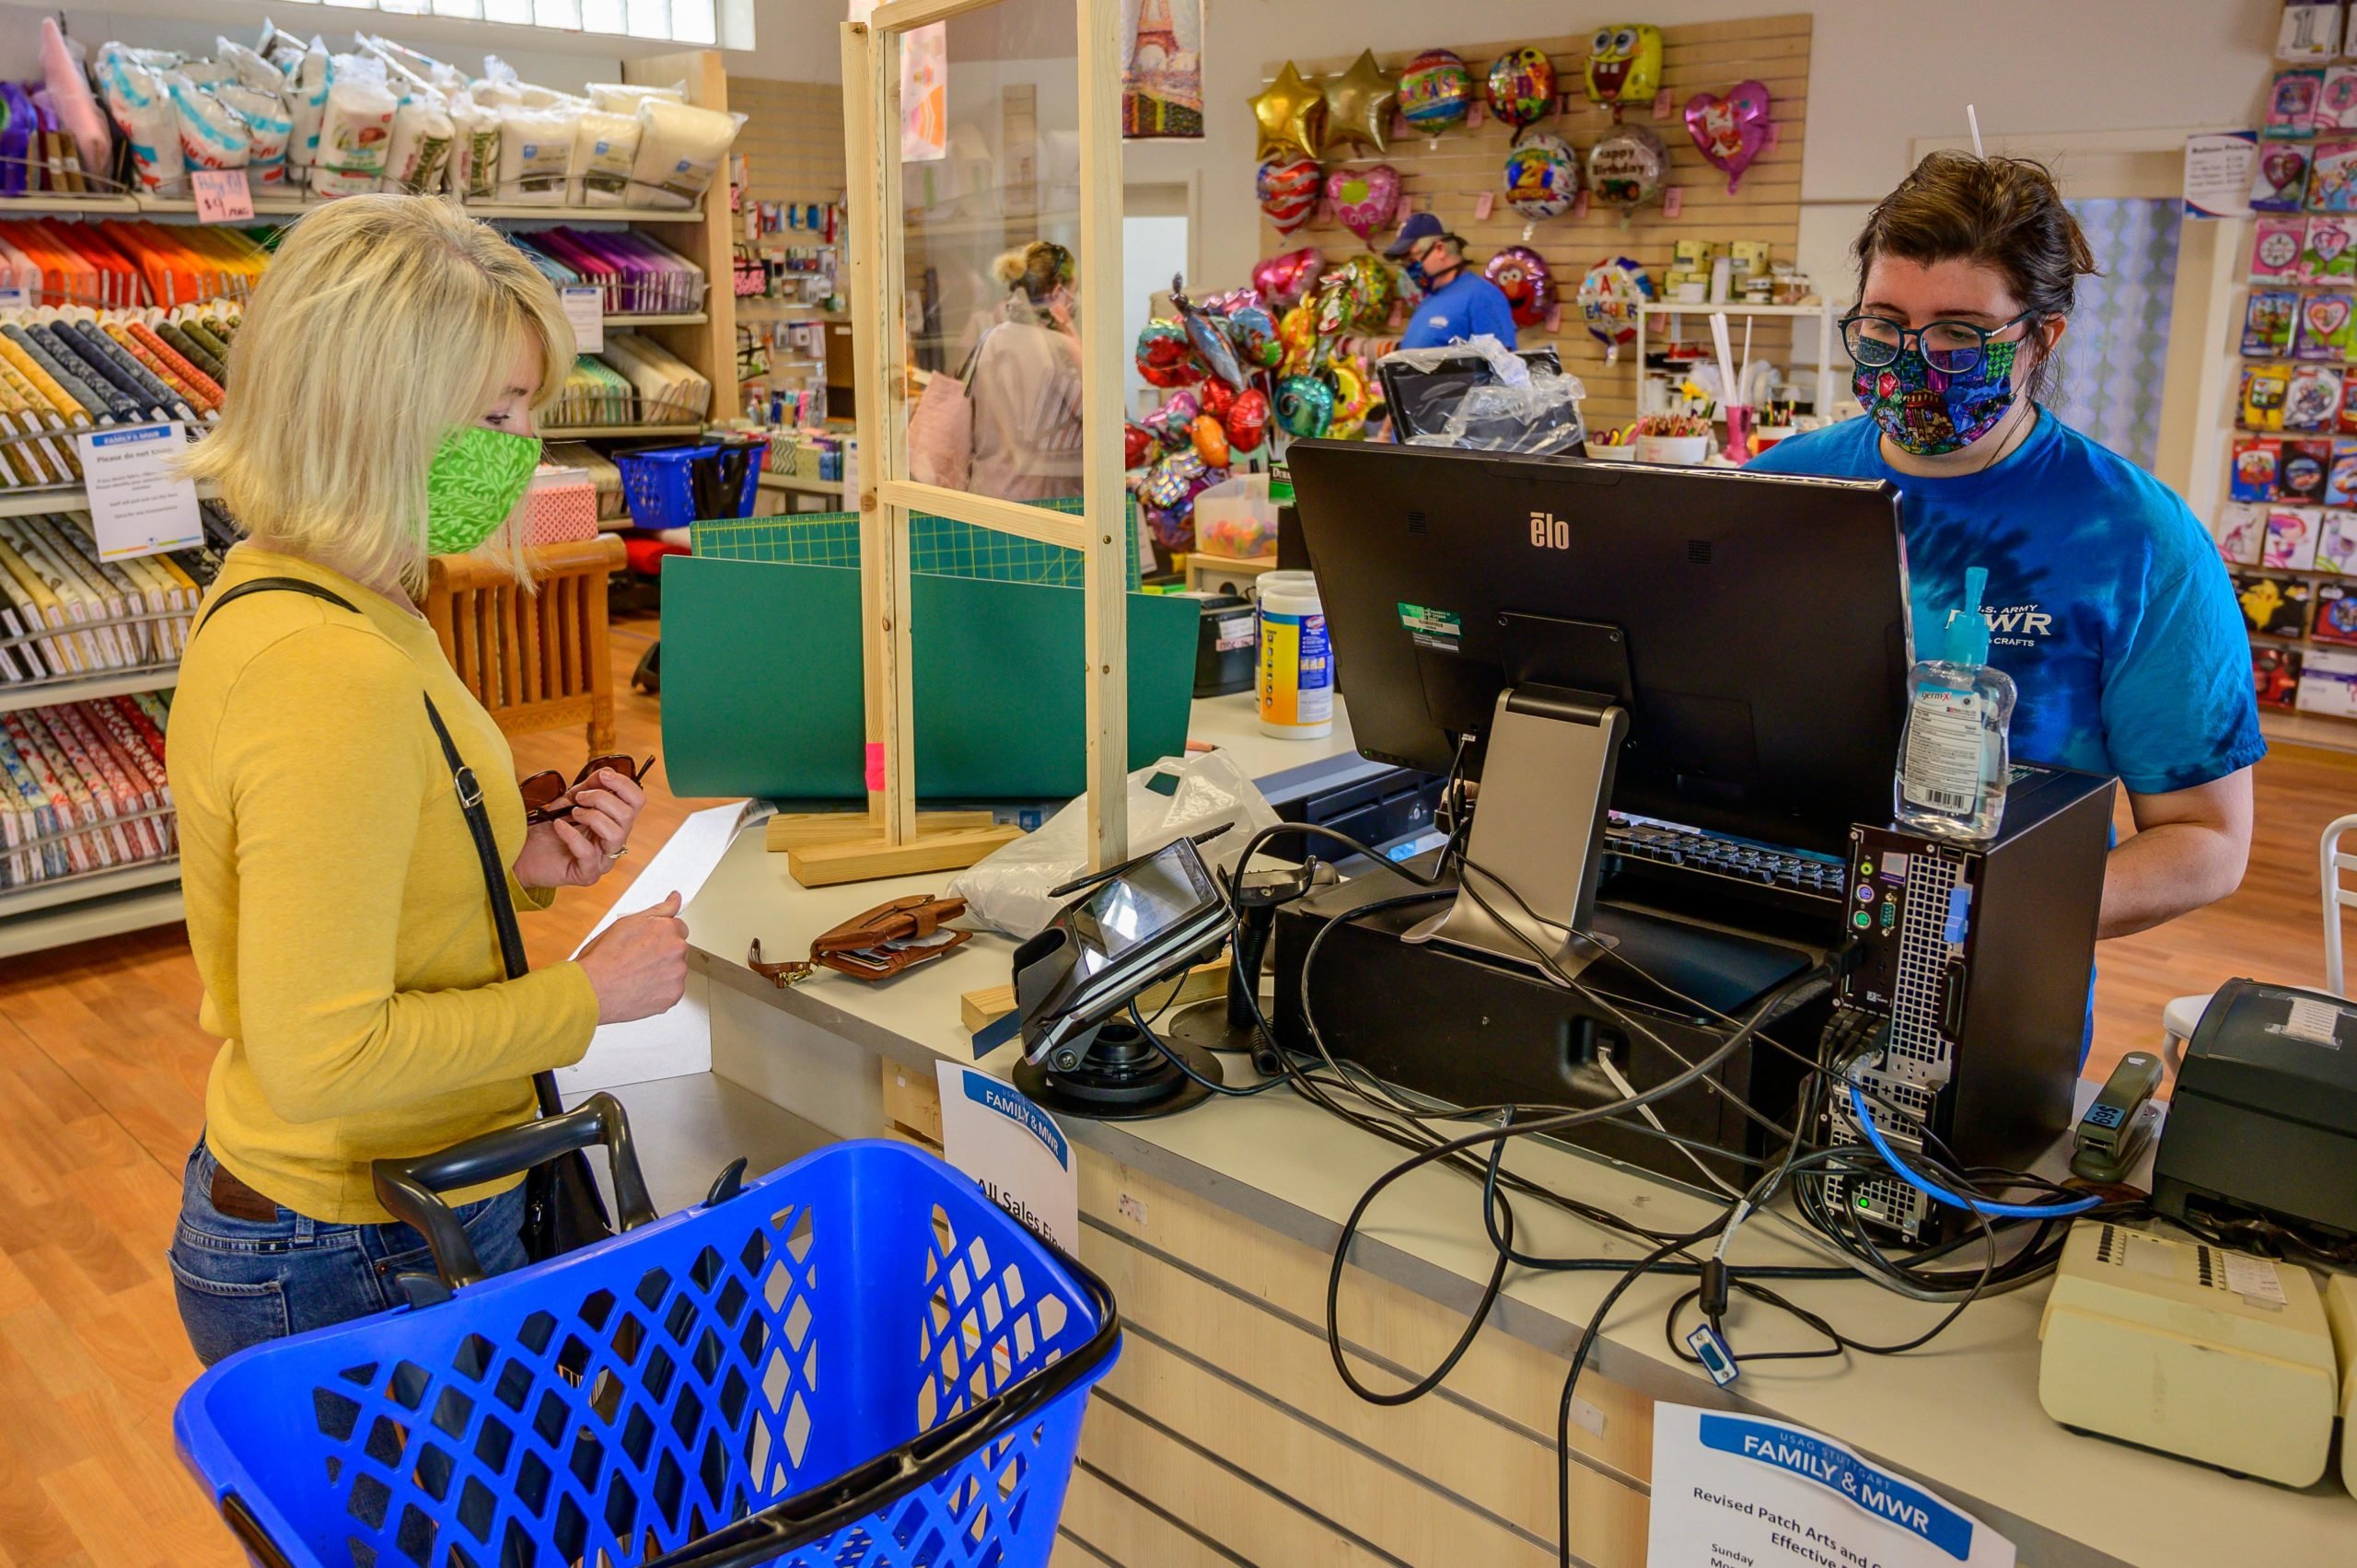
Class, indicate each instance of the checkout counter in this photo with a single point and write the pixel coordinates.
(1225, 1434)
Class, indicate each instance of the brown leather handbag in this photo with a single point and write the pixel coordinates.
(877, 945)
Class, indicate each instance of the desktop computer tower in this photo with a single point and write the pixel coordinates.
(1978, 955)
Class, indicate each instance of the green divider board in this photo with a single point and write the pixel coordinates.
(761, 685)
(937, 546)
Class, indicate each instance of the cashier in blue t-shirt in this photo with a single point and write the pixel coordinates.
(2106, 601)
(1458, 302)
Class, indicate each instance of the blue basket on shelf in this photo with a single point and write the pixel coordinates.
(658, 1399)
(663, 486)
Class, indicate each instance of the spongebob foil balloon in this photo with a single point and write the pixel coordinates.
(1624, 64)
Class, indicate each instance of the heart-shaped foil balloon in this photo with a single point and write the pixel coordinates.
(2322, 317)
(1164, 357)
(1288, 191)
(1730, 130)
(1218, 397)
(1247, 421)
(2327, 237)
(1364, 199)
(1522, 276)
(2282, 177)
(1285, 279)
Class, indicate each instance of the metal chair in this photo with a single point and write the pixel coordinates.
(2180, 1017)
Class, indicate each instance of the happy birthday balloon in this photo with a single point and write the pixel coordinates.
(1623, 63)
(1434, 92)
(1522, 276)
(1358, 106)
(1542, 176)
(1165, 357)
(1283, 280)
(1288, 191)
(1364, 199)
(1247, 421)
(1730, 130)
(1254, 332)
(1626, 166)
(1608, 297)
(1291, 116)
(1304, 406)
(1522, 86)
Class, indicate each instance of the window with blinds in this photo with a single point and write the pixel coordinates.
(726, 24)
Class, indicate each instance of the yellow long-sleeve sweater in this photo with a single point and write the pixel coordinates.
(335, 902)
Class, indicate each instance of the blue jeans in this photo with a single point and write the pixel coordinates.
(240, 1282)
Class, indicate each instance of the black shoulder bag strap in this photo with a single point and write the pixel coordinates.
(563, 1207)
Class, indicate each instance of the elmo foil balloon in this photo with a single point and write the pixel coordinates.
(1623, 63)
(1247, 421)
(1137, 444)
(1435, 91)
(1288, 191)
(1211, 441)
(1608, 297)
(1285, 280)
(1364, 199)
(1304, 406)
(1522, 276)
(1626, 166)
(1373, 288)
(1165, 357)
(1730, 130)
(1522, 87)
(1207, 337)
(1254, 332)
(1542, 176)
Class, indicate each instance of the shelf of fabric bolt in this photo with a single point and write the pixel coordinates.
(89, 904)
(90, 688)
(62, 497)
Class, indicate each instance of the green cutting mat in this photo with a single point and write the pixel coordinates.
(940, 547)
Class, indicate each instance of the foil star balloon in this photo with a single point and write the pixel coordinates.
(1292, 116)
(1359, 104)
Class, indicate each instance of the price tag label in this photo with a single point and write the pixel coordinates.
(139, 504)
(14, 298)
(1661, 104)
(1672, 202)
(1579, 205)
(223, 195)
(1484, 204)
(586, 308)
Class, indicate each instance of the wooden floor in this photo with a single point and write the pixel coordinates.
(102, 1091)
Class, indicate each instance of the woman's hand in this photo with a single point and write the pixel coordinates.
(638, 966)
(576, 850)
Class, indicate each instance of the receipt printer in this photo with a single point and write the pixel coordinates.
(2264, 1119)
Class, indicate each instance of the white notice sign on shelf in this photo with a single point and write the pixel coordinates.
(1735, 1489)
(586, 308)
(139, 505)
(990, 1131)
(2217, 174)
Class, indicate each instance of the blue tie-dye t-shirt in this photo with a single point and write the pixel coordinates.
(2107, 602)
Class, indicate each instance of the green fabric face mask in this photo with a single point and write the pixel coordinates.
(478, 476)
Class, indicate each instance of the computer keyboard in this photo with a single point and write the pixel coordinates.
(1700, 861)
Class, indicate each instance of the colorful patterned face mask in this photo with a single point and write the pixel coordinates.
(478, 476)
(1931, 412)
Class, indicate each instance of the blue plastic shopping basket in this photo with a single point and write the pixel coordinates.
(659, 485)
(856, 1361)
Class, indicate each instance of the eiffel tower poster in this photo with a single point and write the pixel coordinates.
(1162, 84)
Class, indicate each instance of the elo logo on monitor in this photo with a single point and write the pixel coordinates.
(1550, 533)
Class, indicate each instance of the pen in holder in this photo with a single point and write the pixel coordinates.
(1738, 433)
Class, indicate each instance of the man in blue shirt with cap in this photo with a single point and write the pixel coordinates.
(1459, 303)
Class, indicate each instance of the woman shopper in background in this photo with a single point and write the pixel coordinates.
(1024, 385)
(385, 377)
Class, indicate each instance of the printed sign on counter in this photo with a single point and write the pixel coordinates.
(139, 505)
(1014, 1149)
(1732, 1490)
(586, 308)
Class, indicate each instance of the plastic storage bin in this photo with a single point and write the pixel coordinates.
(1236, 519)
(659, 485)
(856, 1360)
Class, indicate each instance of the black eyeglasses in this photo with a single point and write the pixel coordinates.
(1952, 348)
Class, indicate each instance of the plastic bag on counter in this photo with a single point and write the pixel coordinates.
(306, 98)
(680, 151)
(474, 149)
(419, 155)
(604, 148)
(535, 151)
(356, 133)
(1177, 797)
(269, 126)
(141, 106)
(1521, 408)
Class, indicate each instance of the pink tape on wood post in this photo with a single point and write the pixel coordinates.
(876, 767)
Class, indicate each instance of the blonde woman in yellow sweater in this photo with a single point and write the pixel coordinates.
(384, 382)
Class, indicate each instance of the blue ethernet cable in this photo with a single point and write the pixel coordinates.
(1987, 1207)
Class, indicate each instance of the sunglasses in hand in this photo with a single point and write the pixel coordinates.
(545, 793)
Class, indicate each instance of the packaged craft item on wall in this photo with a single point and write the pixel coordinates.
(604, 145)
(141, 106)
(534, 150)
(680, 151)
(474, 149)
(417, 160)
(269, 125)
(356, 133)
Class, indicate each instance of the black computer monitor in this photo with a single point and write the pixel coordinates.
(1751, 631)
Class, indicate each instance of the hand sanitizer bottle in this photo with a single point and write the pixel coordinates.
(1953, 767)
